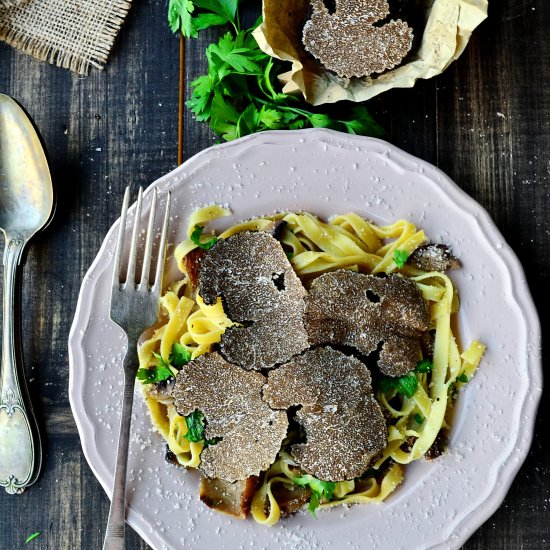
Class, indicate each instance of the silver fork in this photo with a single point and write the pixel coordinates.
(134, 307)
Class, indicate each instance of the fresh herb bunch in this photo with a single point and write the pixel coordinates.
(238, 96)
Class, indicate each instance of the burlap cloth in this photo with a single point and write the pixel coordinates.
(74, 34)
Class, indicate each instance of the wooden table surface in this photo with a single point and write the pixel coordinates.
(485, 122)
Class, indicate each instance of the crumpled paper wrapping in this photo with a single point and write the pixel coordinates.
(447, 27)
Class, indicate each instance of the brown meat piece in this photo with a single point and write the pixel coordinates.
(261, 291)
(192, 264)
(362, 311)
(234, 499)
(290, 500)
(438, 446)
(347, 41)
(344, 425)
(434, 257)
(230, 398)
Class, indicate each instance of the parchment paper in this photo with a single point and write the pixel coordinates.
(442, 29)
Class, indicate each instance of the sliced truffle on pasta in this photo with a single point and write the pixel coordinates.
(344, 425)
(261, 292)
(434, 257)
(247, 432)
(364, 312)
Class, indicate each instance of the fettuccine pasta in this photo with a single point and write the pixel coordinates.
(315, 247)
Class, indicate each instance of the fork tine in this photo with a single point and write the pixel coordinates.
(120, 239)
(132, 260)
(149, 243)
(162, 248)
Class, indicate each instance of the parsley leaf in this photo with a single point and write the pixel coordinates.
(400, 257)
(405, 385)
(319, 490)
(313, 503)
(192, 16)
(419, 419)
(195, 426)
(152, 375)
(33, 536)
(179, 356)
(196, 238)
(424, 365)
(462, 378)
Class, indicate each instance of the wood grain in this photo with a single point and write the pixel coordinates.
(485, 121)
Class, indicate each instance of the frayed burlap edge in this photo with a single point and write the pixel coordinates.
(77, 62)
(10, 3)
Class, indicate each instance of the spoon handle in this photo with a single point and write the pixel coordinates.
(20, 449)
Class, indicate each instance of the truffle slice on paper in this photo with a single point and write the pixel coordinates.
(344, 425)
(348, 43)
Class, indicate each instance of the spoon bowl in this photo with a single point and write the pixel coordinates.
(26, 191)
(26, 206)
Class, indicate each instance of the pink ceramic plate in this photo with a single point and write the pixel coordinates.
(441, 502)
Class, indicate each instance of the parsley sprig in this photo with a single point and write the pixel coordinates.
(179, 356)
(405, 385)
(195, 426)
(196, 237)
(195, 429)
(319, 489)
(33, 536)
(400, 257)
(192, 16)
(165, 370)
(238, 95)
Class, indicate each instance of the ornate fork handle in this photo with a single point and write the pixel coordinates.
(20, 449)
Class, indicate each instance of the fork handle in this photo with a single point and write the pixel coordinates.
(114, 535)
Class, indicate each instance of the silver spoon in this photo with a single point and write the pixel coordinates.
(26, 206)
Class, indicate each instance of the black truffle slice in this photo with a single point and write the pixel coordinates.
(230, 398)
(260, 290)
(344, 425)
(347, 41)
(363, 311)
(434, 257)
(264, 344)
